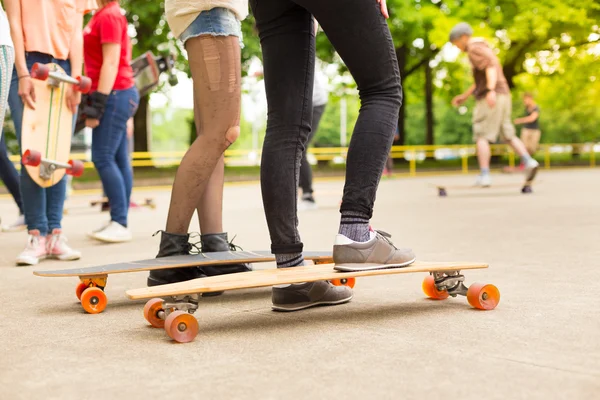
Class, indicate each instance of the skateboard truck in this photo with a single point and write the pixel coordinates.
(451, 281)
(42, 72)
(48, 167)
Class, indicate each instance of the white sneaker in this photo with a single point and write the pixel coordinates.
(92, 234)
(531, 168)
(113, 233)
(18, 225)
(307, 203)
(483, 180)
(56, 247)
(35, 251)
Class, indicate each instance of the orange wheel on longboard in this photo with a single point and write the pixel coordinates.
(40, 71)
(431, 290)
(79, 289)
(151, 310)
(85, 84)
(181, 326)
(350, 282)
(482, 296)
(93, 300)
(76, 168)
(32, 158)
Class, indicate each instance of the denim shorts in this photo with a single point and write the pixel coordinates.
(216, 22)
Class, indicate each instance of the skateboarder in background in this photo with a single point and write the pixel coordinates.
(8, 173)
(359, 33)
(320, 98)
(211, 36)
(44, 32)
(493, 108)
(530, 133)
(112, 101)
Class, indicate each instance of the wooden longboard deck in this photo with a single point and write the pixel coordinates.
(473, 187)
(281, 276)
(49, 128)
(194, 260)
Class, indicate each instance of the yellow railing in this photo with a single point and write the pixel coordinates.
(413, 154)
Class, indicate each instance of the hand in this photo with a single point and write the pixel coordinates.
(458, 100)
(92, 122)
(73, 98)
(490, 97)
(130, 127)
(27, 92)
(384, 9)
(517, 121)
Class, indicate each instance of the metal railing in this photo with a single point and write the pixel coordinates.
(414, 155)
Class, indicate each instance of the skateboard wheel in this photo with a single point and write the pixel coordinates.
(93, 300)
(482, 296)
(181, 326)
(442, 193)
(76, 168)
(431, 290)
(80, 289)
(85, 84)
(526, 189)
(151, 310)
(40, 71)
(350, 282)
(32, 158)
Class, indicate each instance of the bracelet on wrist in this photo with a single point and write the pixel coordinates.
(24, 76)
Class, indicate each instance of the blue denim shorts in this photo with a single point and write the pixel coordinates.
(217, 22)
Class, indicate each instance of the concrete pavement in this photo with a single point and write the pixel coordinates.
(389, 342)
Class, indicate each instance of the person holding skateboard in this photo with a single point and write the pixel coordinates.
(44, 33)
(112, 101)
(8, 173)
(287, 40)
(493, 108)
(211, 34)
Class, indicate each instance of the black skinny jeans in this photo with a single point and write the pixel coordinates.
(9, 175)
(360, 35)
(305, 169)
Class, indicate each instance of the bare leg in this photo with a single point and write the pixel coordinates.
(519, 147)
(216, 72)
(483, 153)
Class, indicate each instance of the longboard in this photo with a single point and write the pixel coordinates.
(96, 277)
(171, 306)
(526, 187)
(47, 130)
(148, 202)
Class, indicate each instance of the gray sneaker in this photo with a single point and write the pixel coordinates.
(304, 295)
(349, 255)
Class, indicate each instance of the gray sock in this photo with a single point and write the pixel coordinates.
(289, 260)
(355, 226)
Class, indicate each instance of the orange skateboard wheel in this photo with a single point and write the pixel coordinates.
(79, 289)
(76, 168)
(32, 158)
(431, 290)
(181, 326)
(350, 282)
(93, 300)
(85, 84)
(482, 296)
(40, 71)
(151, 310)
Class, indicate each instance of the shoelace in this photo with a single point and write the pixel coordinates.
(385, 236)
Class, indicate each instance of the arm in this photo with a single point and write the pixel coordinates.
(461, 98)
(76, 60)
(525, 120)
(13, 12)
(491, 78)
(111, 54)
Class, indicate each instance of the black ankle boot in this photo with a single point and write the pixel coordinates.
(172, 244)
(218, 242)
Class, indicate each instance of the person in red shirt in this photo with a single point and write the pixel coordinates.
(113, 100)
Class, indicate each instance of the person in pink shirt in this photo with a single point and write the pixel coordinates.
(48, 31)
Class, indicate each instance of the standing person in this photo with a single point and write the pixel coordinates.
(319, 102)
(8, 173)
(530, 133)
(359, 33)
(493, 108)
(113, 100)
(211, 35)
(44, 32)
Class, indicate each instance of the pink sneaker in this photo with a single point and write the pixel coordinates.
(56, 246)
(35, 251)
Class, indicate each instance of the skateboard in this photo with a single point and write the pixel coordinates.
(171, 306)
(526, 187)
(90, 290)
(47, 130)
(148, 202)
(146, 72)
